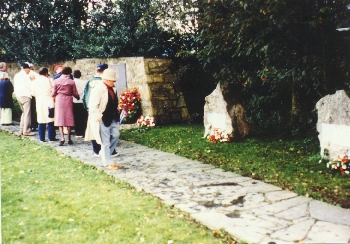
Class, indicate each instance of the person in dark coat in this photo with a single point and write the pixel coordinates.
(6, 102)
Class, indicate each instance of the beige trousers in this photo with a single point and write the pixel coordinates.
(24, 103)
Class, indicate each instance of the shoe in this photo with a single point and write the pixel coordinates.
(54, 139)
(29, 134)
(42, 141)
(113, 167)
(79, 137)
(96, 155)
(115, 154)
(61, 143)
(70, 142)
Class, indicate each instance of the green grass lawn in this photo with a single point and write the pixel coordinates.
(291, 164)
(48, 197)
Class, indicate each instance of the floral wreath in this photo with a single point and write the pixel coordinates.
(218, 135)
(129, 103)
(341, 164)
(147, 121)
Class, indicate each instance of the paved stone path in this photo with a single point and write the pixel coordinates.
(249, 210)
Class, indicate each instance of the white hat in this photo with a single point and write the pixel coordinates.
(109, 74)
(30, 64)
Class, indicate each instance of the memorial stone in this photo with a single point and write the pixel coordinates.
(222, 112)
(333, 125)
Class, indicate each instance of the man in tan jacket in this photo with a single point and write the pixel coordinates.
(103, 121)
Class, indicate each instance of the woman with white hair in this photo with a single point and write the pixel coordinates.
(6, 102)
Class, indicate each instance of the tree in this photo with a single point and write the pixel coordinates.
(40, 31)
(276, 54)
(126, 28)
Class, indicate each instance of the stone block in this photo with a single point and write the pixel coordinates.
(155, 78)
(258, 229)
(294, 233)
(176, 117)
(325, 232)
(222, 112)
(184, 114)
(279, 195)
(164, 119)
(157, 67)
(294, 212)
(333, 124)
(180, 101)
(326, 212)
(284, 205)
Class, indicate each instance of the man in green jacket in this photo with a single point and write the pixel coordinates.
(87, 90)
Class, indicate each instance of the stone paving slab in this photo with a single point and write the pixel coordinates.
(249, 210)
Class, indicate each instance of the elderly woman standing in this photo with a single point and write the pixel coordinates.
(63, 91)
(41, 90)
(6, 102)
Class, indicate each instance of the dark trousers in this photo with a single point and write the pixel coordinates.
(80, 119)
(51, 133)
(34, 123)
(95, 146)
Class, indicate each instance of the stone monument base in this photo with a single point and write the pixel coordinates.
(334, 140)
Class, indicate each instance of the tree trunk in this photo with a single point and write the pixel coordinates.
(295, 106)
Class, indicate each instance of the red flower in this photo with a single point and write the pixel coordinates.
(128, 101)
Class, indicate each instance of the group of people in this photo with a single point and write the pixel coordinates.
(88, 106)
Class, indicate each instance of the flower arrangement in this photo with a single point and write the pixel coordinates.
(146, 121)
(129, 103)
(218, 135)
(341, 164)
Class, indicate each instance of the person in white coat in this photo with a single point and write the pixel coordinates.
(42, 90)
(103, 121)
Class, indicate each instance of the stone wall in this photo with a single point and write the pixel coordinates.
(161, 96)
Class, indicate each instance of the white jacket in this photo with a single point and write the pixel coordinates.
(22, 84)
(97, 105)
(42, 90)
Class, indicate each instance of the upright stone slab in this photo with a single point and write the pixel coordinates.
(221, 111)
(333, 125)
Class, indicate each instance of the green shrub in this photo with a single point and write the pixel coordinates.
(16, 111)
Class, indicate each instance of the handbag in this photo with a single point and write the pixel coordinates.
(51, 112)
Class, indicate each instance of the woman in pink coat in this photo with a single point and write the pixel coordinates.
(63, 91)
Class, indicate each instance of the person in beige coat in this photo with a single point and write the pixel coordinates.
(103, 120)
(41, 90)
